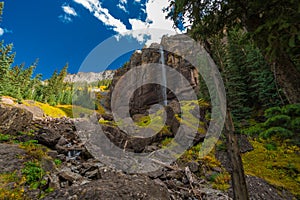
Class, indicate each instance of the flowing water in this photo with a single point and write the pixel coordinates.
(163, 76)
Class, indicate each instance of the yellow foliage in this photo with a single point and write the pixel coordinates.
(48, 110)
(103, 88)
(63, 110)
(34, 150)
(279, 167)
(221, 181)
(211, 161)
(6, 191)
(74, 111)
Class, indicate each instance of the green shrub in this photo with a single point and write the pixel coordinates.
(279, 132)
(295, 124)
(270, 112)
(33, 174)
(271, 146)
(291, 110)
(4, 137)
(166, 141)
(57, 162)
(278, 120)
(282, 123)
(253, 130)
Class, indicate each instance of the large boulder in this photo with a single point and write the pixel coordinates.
(10, 158)
(14, 119)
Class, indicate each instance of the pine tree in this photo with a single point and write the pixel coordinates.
(237, 76)
(6, 60)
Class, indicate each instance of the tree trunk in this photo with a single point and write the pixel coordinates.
(239, 186)
(288, 77)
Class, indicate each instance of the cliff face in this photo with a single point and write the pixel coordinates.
(90, 76)
(150, 94)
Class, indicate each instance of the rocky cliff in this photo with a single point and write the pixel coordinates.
(90, 76)
(150, 94)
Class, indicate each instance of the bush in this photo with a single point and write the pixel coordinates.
(291, 110)
(4, 138)
(295, 124)
(277, 132)
(271, 146)
(33, 174)
(283, 123)
(278, 120)
(253, 130)
(270, 112)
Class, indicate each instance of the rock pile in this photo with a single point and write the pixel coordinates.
(80, 176)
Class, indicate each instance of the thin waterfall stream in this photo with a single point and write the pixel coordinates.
(164, 77)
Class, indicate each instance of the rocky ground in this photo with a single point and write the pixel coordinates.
(71, 172)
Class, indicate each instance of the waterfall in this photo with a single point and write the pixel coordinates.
(163, 76)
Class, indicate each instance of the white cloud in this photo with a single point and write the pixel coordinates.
(69, 10)
(94, 6)
(1, 31)
(122, 4)
(155, 19)
(122, 7)
(85, 3)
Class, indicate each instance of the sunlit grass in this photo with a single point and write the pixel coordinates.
(280, 167)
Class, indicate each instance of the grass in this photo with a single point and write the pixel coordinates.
(33, 149)
(73, 111)
(279, 166)
(15, 185)
(14, 192)
(4, 137)
(155, 122)
(220, 181)
(48, 110)
(59, 111)
(33, 174)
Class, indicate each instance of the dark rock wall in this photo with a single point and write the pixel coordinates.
(150, 94)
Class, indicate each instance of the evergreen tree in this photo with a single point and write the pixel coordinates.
(6, 60)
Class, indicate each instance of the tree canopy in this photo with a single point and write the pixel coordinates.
(273, 25)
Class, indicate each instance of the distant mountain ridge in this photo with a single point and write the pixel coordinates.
(89, 76)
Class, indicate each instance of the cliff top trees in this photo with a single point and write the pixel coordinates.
(274, 27)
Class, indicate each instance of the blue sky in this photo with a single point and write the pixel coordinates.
(65, 31)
